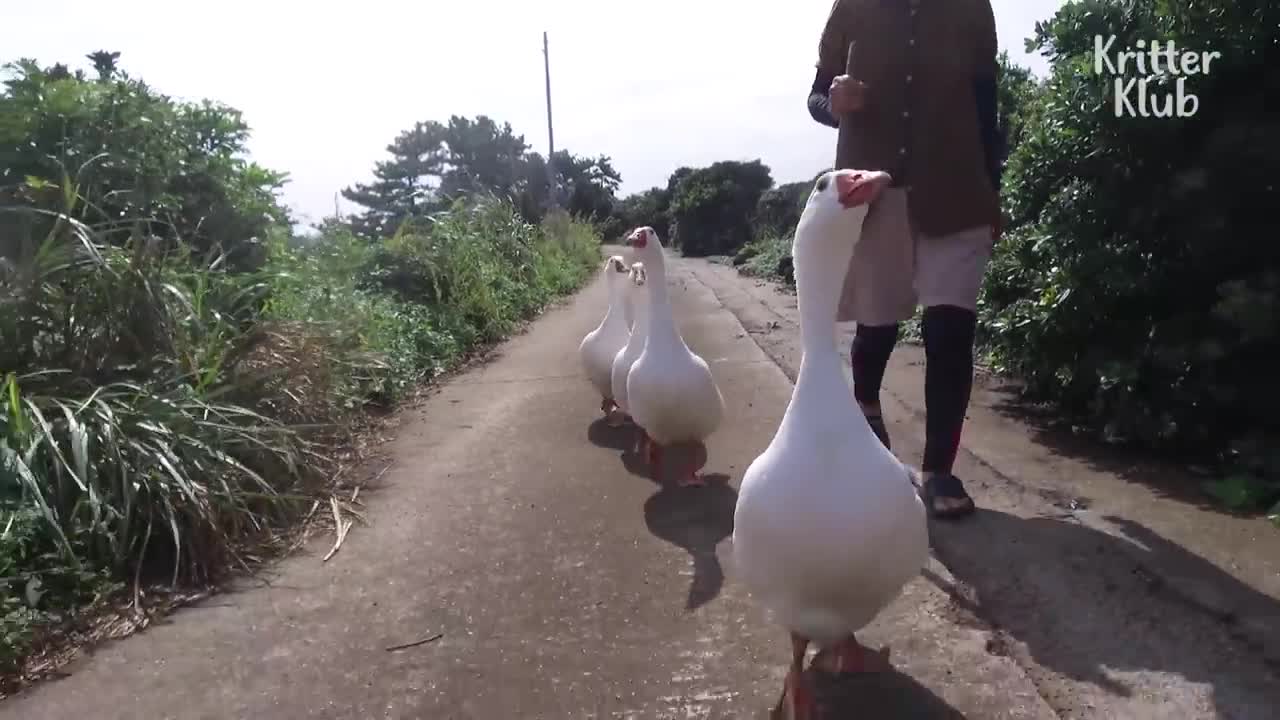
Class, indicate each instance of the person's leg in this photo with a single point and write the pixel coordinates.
(879, 294)
(948, 345)
(950, 277)
(872, 346)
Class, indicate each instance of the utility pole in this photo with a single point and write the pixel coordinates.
(553, 200)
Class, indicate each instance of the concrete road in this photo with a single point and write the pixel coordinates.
(563, 583)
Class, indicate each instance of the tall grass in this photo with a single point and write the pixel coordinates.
(161, 416)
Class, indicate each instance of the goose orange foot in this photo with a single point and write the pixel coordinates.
(655, 460)
(691, 477)
(797, 701)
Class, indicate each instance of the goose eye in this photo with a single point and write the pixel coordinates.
(823, 182)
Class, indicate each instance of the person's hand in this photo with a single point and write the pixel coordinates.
(847, 95)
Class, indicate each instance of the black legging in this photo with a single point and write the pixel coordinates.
(948, 379)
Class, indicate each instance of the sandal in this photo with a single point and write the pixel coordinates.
(880, 429)
(947, 486)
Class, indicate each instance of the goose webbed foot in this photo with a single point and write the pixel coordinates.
(691, 477)
(797, 701)
(655, 460)
(613, 415)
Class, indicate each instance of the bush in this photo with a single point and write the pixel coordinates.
(153, 404)
(411, 306)
(168, 413)
(123, 446)
(141, 156)
(712, 207)
(649, 208)
(766, 257)
(1132, 290)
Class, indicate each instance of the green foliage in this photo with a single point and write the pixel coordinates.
(778, 210)
(123, 440)
(1016, 95)
(649, 208)
(433, 165)
(1133, 290)
(165, 411)
(586, 186)
(712, 207)
(767, 256)
(138, 154)
(410, 306)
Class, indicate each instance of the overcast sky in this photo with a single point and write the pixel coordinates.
(654, 84)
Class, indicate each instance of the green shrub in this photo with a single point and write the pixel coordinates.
(764, 257)
(141, 156)
(1133, 290)
(409, 307)
(175, 367)
(122, 444)
(712, 208)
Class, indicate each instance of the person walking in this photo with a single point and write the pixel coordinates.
(911, 86)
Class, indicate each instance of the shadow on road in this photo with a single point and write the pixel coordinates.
(696, 520)
(600, 434)
(1166, 475)
(1085, 606)
(881, 696)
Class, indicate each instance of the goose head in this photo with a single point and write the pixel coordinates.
(646, 245)
(615, 268)
(637, 274)
(838, 204)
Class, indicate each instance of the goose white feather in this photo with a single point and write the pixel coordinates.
(626, 357)
(671, 392)
(828, 527)
(600, 346)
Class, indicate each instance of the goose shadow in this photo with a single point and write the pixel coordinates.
(603, 435)
(890, 694)
(1095, 606)
(695, 519)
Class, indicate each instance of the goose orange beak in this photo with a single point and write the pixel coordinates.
(861, 187)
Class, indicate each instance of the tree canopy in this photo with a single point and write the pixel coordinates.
(433, 164)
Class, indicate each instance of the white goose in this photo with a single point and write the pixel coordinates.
(671, 393)
(626, 357)
(828, 527)
(602, 344)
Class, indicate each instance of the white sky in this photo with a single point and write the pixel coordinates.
(326, 90)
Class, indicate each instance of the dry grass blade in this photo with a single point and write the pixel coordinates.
(342, 525)
(416, 643)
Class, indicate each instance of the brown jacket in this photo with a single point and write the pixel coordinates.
(919, 59)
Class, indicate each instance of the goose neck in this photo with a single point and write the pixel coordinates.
(641, 316)
(820, 266)
(821, 253)
(662, 326)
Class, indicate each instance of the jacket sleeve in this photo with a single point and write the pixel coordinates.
(986, 93)
(820, 100)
